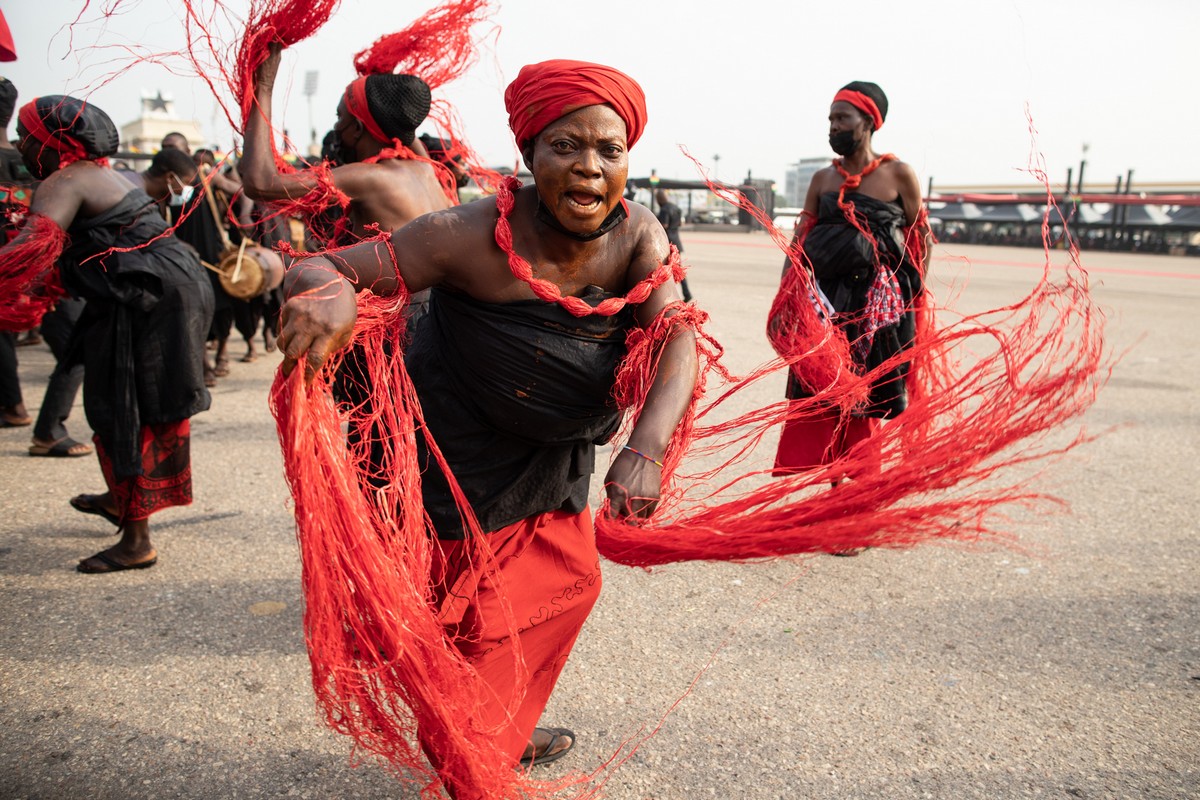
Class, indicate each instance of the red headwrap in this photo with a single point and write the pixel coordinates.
(69, 149)
(544, 92)
(356, 104)
(862, 103)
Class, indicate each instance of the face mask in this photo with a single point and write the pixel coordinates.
(843, 143)
(185, 193)
(341, 153)
(333, 152)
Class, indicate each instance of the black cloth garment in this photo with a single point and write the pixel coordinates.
(10, 381)
(64, 382)
(516, 395)
(13, 171)
(845, 263)
(670, 217)
(199, 227)
(141, 334)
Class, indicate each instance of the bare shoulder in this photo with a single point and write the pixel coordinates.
(357, 173)
(648, 244)
(641, 217)
(70, 183)
(645, 228)
(826, 179)
(899, 171)
(445, 236)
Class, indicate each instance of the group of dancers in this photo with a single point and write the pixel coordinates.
(449, 370)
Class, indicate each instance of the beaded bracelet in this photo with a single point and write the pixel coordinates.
(643, 455)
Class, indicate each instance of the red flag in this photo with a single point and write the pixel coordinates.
(8, 50)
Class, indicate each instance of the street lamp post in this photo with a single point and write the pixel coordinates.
(310, 89)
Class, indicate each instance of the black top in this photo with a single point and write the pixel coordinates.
(198, 226)
(141, 335)
(669, 216)
(845, 262)
(13, 171)
(516, 395)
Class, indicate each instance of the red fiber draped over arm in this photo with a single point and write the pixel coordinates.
(29, 280)
(384, 671)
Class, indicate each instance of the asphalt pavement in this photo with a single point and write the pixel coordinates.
(1063, 665)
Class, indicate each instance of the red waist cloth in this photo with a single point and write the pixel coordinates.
(550, 574)
(166, 478)
(816, 441)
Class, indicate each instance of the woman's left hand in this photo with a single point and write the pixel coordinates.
(633, 485)
(318, 316)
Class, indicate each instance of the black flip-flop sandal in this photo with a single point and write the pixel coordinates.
(60, 449)
(115, 566)
(555, 735)
(85, 503)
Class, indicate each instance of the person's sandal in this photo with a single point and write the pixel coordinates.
(556, 735)
(63, 448)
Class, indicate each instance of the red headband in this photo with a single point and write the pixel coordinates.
(862, 103)
(69, 149)
(544, 92)
(356, 104)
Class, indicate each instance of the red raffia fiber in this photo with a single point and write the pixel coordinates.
(383, 669)
(546, 290)
(438, 47)
(932, 473)
(29, 280)
(995, 384)
(284, 22)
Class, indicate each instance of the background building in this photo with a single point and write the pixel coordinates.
(145, 134)
(799, 175)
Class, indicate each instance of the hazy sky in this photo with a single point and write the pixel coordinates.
(750, 83)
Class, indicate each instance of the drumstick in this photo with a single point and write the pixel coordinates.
(237, 269)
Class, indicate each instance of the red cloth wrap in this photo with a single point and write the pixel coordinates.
(862, 103)
(8, 48)
(550, 582)
(166, 478)
(544, 92)
(356, 104)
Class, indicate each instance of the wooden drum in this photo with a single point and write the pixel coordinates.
(249, 271)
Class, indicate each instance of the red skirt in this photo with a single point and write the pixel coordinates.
(815, 442)
(550, 579)
(166, 478)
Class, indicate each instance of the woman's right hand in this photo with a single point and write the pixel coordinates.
(318, 315)
(267, 71)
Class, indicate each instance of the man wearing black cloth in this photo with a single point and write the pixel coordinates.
(671, 217)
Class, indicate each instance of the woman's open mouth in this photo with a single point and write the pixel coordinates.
(584, 201)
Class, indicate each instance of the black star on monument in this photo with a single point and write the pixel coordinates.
(157, 103)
